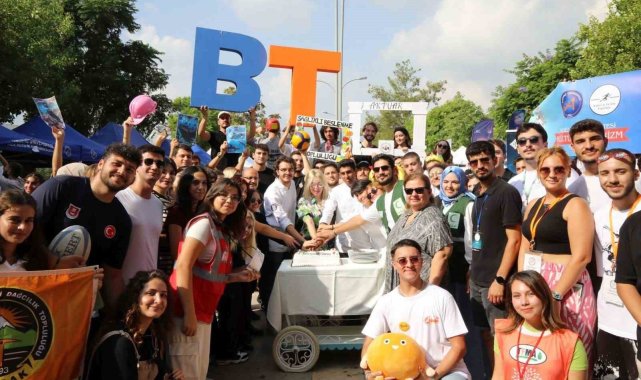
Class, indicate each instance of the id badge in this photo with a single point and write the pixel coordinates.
(477, 241)
(533, 261)
(610, 295)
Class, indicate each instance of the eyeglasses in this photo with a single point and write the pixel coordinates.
(545, 171)
(412, 259)
(621, 156)
(417, 190)
(532, 140)
(442, 146)
(384, 168)
(151, 161)
(232, 198)
(475, 163)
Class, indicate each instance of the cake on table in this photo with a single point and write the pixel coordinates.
(316, 258)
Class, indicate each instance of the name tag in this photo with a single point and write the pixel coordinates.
(477, 242)
(533, 261)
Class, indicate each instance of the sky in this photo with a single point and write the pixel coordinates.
(468, 43)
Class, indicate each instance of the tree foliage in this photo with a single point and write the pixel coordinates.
(536, 76)
(453, 120)
(73, 49)
(613, 45)
(404, 86)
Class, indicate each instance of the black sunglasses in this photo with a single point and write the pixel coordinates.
(532, 140)
(417, 190)
(379, 168)
(151, 161)
(443, 146)
(412, 259)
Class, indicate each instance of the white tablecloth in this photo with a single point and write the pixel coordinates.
(347, 289)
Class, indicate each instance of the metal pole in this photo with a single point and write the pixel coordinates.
(339, 85)
(338, 81)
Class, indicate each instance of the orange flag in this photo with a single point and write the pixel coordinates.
(44, 322)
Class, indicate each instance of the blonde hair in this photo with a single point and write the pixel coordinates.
(554, 151)
(309, 178)
(229, 172)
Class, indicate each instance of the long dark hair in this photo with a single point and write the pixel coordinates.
(408, 139)
(33, 250)
(234, 223)
(183, 198)
(127, 312)
(533, 280)
(447, 156)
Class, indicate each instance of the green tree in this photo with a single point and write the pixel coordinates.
(453, 120)
(536, 76)
(73, 49)
(404, 86)
(613, 45)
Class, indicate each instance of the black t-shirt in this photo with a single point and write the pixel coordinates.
(628, 264)
(507, 174)
(265, 178)
(216, 139)
(499, 207)
(65, 201)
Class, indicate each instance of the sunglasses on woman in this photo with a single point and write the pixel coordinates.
(442, 146)
(545, 171)
(417, 190)
(412, 259)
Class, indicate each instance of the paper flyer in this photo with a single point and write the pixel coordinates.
(50, 112)
(186, 129)
(157, 131)
(236, 138)
(386, 146)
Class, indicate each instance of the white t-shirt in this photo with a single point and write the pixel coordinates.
(17, 267)
(590, 186)
(146, 225)
(374, 227)
(613, 317)
(529, 186)
(432, 315)
(341, 203)
(280, 209)
(201, 231)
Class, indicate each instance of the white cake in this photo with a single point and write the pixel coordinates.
(316, 258)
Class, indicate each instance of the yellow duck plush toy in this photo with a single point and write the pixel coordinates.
(396, 355)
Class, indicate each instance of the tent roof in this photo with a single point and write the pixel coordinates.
(13, 141)
(112, 133)
(76, 147)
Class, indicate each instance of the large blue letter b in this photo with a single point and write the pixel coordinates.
(208, 71)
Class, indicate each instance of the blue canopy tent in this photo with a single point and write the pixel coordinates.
(76, 147)
(112, 133)
(13, 141)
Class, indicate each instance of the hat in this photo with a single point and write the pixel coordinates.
(435, 157)
(221, 113)
(362, 164)
(140, 107)
(272, 124)
(76, 169)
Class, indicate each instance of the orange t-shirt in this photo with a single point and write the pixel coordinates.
(551, 359)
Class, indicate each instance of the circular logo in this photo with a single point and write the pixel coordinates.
(404, 326)
(110, 231)
(571, 103)
(26, 332)
(67, 151)
(605, 99)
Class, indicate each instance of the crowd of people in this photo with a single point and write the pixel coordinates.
(540, 264)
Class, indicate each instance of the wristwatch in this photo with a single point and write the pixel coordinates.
(500, 280)
(557, 296)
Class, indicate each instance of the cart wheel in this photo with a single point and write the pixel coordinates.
(295, 349)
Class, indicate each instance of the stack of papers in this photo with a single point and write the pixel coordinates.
(363, 256)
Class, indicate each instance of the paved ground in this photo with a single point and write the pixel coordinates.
(332, 365)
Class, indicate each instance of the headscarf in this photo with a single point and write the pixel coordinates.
(462, 178)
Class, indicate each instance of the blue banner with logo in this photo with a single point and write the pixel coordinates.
(483, 130)
(614, 100)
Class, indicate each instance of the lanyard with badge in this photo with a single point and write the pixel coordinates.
(477, 238)
(610, 294)
(533, 258)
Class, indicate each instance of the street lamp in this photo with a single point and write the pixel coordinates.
(339, 106)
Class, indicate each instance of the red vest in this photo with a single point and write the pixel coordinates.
(551, 360)
(208, 278)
